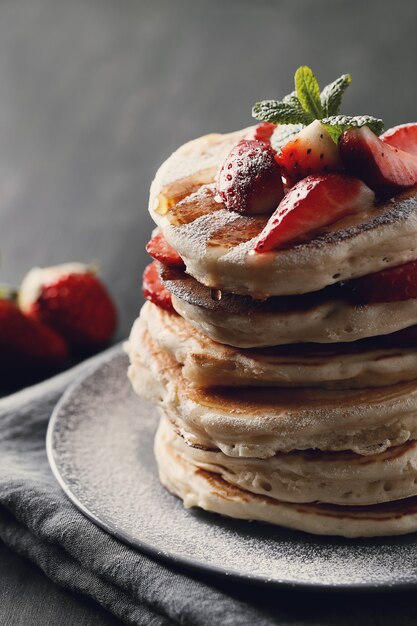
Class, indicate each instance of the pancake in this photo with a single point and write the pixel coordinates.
(207, 363)
(259, 421)
(207, 490)
(216, 244)
(319, 317)
(311, 476)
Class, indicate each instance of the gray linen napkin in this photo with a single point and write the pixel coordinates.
(38, 522)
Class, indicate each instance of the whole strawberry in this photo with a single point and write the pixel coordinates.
(72, 300)
(27, 345)
(250, 180)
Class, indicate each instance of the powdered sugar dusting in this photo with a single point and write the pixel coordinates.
(102, 444)
(193, 238)
(356, 246)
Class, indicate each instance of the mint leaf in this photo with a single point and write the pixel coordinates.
(337, 124)
(335, 130)
(283, 134)
(331, 96)
(279, 112)
(292, 99)
(308, 92)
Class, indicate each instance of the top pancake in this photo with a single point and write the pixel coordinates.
(216, 243)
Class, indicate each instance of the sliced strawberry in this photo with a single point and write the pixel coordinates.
(250, 180)
(159, 249)
(390, 285)
(312, 151)
(313, 202)
(403, 137)
(261, 132)
(27, 345)
(385, 169)
(153, 290)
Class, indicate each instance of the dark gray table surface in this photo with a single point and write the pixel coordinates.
(94, 94)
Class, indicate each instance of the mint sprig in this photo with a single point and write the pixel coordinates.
(306, 104)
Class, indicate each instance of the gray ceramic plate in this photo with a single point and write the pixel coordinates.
(99, 443)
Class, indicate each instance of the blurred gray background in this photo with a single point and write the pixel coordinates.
(94, 94)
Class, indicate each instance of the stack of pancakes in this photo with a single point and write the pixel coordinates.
(281, 399)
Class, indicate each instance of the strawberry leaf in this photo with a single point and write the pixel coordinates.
(331, 96)
(308, 92)
(283, 134)
(337, 124)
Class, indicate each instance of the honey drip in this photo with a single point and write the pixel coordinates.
(216, 295)
(174, 192)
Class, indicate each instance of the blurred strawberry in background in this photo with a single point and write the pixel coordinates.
(58, 313)
(72, 300)
(27, 344)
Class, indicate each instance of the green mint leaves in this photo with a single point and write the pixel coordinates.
(306, 104)
(331, 96)
(283, 134)
(308, 92)
(285, 111)
(337, 124)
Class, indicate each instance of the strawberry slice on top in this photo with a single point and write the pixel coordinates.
(403, 137)
(160, 250)
(312, 151)
(382, 167)
(314, 202)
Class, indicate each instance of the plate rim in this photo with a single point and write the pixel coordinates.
(187, 563)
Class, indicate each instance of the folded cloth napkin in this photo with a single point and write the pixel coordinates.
(38, 522)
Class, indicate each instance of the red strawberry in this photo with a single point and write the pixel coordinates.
(390, 285)
(153, 289)
(72, 300)
(312, 151)
(261, 132)
(250, 180)
(27, 345)
(159, 249)
(385, 169)
(313, 202)
(403, 137)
